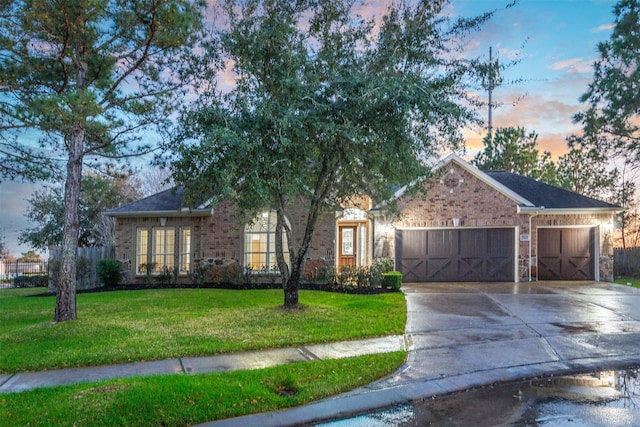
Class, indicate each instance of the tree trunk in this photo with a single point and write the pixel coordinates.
(323, 185)
(66, 294)
(292, 288)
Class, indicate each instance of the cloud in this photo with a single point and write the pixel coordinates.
(573, 66)
(603, 27)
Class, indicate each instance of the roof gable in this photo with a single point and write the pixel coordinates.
(482, 176)
(526, 192)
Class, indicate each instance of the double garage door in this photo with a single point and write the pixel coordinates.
(456, 255)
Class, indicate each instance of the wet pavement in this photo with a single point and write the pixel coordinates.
(467, 335)
(15, 383)
(601, 399)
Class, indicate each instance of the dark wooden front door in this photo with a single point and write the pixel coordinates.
(456, 255)
(566, 253)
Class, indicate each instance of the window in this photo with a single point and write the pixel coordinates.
(185, 250)
(164, 249)
(260, 243)
(142, 250)
(160, 247)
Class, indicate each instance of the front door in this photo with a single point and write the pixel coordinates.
(348, 245)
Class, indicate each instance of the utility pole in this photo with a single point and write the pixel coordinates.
(490, 80)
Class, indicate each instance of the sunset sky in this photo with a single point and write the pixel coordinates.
(556, 41)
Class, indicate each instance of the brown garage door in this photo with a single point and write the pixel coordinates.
(566, 253)
(456, 255)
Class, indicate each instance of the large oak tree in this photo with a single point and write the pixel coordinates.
(324, 105)
(81, 79)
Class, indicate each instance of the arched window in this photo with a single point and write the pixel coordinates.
(260, 243)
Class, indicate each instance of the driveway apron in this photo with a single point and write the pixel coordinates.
(462, 328)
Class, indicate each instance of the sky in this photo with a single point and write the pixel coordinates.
(555, 42)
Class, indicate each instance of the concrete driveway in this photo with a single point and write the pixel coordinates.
(477, 333)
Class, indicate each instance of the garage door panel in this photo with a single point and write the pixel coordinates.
(456, 254)
(437, 270)
(412, 269)
(472, 242)
(470, 269)
(441, 243)
(499, 267)
(412, 243)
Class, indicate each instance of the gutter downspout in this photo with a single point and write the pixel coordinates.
(536, 213)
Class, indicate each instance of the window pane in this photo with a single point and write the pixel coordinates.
(142, 247)
(185, 250)
(260, 242)
(164, 248)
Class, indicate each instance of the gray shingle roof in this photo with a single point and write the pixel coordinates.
(163, 203)
(541, 194)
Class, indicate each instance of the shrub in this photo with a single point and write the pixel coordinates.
(392, 280)
(31, 281)
(385, 265)
(200, 271)
(227, 274)
(109, 272)
(164, 277)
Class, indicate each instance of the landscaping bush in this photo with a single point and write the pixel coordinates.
(109, 272)
(361, 280)
(392, 280)
(385, 265)
(228, 274)
(31, 281)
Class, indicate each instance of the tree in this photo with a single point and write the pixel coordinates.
(585, 172)
(611, 122)
(3, 248)
(514, 150)
(89, 78)
(326, 106)
(98, 193)
(624, 194)
(29, 256)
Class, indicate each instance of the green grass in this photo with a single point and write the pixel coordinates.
(179, 400)
(635, 282)
(127, 326)
(157, 324)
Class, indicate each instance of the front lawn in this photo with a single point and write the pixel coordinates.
(635, 282)
(128, 326)
(125, 326)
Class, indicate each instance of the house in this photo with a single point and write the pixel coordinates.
(468, 226)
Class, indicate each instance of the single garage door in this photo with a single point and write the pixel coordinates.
(456, 255)
(566, 253)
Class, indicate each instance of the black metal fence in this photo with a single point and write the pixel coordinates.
(23, 273)
(626, 262)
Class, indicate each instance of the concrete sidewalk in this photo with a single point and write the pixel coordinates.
(197, 365)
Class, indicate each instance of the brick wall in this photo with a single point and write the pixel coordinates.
(455, 193)
(221, 236)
